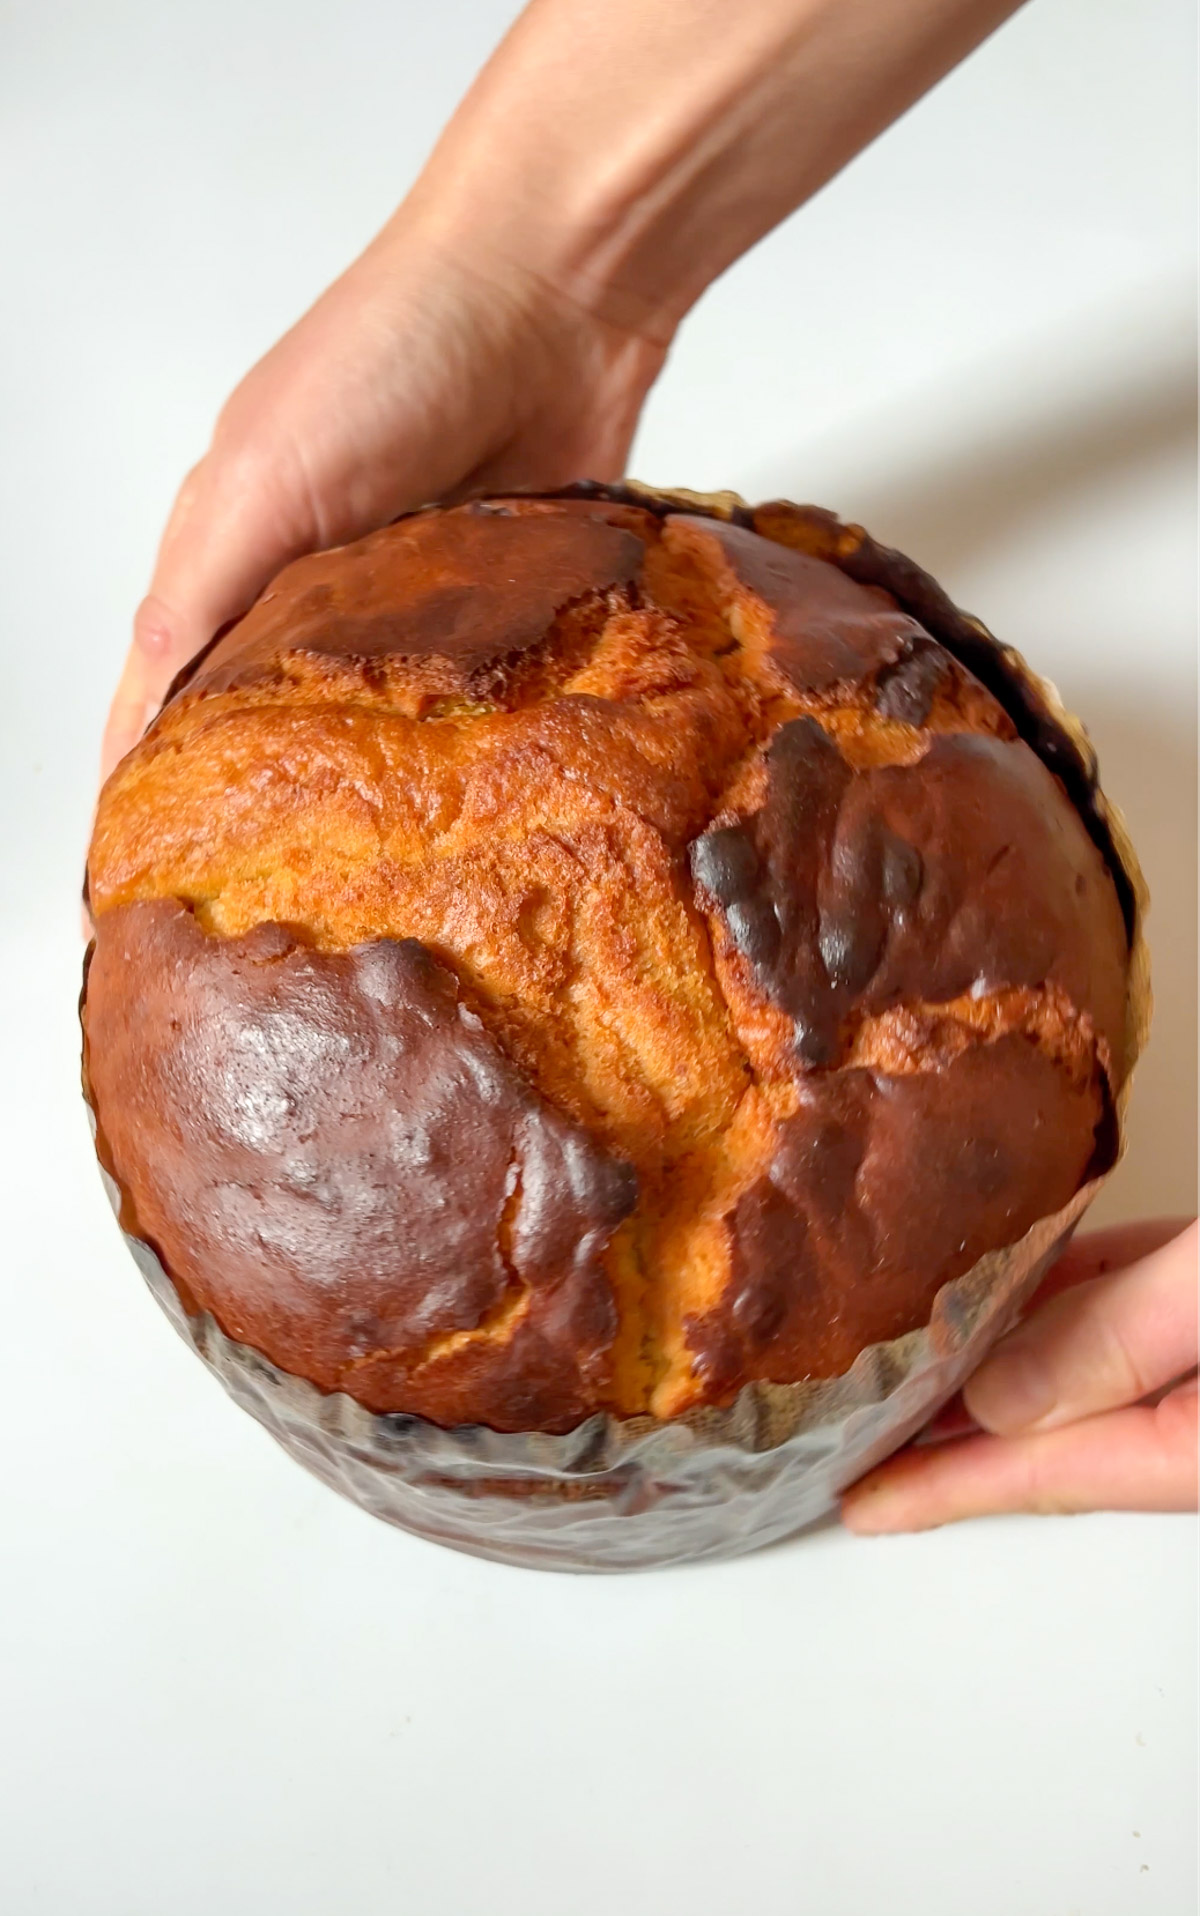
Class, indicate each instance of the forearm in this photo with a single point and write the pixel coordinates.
(628, 152)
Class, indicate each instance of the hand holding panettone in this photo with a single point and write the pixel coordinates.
(504, 328)
(770, 971)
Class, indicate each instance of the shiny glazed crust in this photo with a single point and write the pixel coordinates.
(583, 954)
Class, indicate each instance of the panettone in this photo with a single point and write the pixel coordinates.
(578, 954)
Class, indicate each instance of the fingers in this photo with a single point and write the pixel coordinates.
(416, 376)
(1094, 1346)
(237, 520)
(1063, 1427)
(128, 714)
(1097, 1253)
(1135, 1459)
(1085, 1258)
(332, 433)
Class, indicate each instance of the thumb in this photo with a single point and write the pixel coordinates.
(1095, 1346)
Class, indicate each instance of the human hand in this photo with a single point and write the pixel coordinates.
(421, 374)
(1081, 1407)
(503, 329)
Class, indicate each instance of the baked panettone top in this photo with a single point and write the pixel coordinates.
(558, 955)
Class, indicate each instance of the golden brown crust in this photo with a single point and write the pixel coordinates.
(719, 855)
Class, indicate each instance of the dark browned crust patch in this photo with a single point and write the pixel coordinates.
(411, 592)
(881, 1190)
(347, 1171)
(848, 892)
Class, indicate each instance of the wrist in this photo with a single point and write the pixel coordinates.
(621, 156)
(545, 241)
(606, 153)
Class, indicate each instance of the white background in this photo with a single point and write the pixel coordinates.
(222, 1690)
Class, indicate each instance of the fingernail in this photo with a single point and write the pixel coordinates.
(1013, 1390)
(872, 1506)
(152, 632)
(859, 1517)
(875, 1503)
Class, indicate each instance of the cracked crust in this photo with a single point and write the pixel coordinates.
(678, 894)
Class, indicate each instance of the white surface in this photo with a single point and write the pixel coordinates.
(221, 1690)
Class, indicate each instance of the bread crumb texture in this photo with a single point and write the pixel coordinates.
(553, 956)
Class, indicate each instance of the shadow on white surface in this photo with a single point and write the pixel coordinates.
(1076, 413)
(967, 465)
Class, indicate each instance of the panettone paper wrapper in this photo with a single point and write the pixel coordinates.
(625, 1494)
(629, 1493)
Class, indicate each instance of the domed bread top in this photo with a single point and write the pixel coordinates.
(739, 972)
